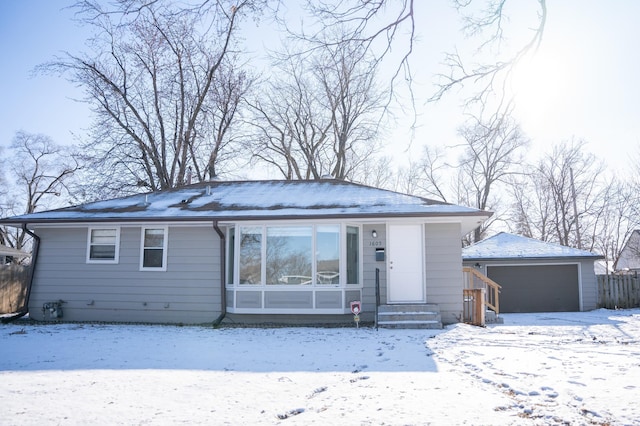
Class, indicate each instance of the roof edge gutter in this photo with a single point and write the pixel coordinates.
(239, 218)
(511, 259)
(24, 310)
(223, 263)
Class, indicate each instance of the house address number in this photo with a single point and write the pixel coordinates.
(375, 243)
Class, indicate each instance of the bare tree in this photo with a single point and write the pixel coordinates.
(616, 221)
(164, 87)
(487, 24)
(564, 182)
(375, 171)
(290, 130)
(532, 209)
(383, 26)
(40, 173)
(4, 191)
(491, 153)
(433, 172)
(319, 115)
(407, 179)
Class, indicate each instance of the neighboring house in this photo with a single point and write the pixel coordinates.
(298, 251)
(7, 253)
(629, 259)
(536, 276)
(604, 267)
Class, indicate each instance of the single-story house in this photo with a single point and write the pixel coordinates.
(536, 276)
(299, 251)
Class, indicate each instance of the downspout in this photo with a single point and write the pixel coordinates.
(34, 257)
(223, 264)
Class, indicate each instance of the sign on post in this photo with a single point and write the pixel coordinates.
(356, 308)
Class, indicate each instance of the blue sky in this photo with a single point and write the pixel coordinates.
(33, 32)
(583, 83)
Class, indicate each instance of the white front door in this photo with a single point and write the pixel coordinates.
(406, 278)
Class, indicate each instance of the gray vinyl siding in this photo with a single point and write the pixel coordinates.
(187, 292)
(329, 300)
(249, 299)
(443, 260)
(589, 285)
(288, 299)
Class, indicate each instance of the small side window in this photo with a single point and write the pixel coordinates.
(154, 249)
(103, 245)
(353, 255)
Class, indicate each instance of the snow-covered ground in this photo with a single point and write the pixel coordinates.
(555, 368)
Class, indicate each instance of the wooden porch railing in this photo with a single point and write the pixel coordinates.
(473, 310)
(474, 279)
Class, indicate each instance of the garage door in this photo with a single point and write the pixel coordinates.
(541, 288)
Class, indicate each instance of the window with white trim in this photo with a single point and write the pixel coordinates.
(153, 256)
(327, 254)
(103, 245)
(289, 257)
(353, 255)
(250, 255)
(304, 255)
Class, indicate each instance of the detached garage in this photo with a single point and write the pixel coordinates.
(536, 276)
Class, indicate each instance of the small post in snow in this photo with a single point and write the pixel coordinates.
(355, 310)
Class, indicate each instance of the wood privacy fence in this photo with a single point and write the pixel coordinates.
(13, 288)
(618, 291)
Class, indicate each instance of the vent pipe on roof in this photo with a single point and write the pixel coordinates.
(189, 173)
(208, 190)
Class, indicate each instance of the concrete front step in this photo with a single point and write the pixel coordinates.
(409, 316)
(414, 307)
(437, 325)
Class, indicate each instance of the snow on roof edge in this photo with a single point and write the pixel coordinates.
(506, 246)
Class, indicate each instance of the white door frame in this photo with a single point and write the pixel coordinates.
(405, 265)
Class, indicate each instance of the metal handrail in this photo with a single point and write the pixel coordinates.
(377, 296)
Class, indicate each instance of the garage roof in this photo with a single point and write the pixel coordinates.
(505, 246)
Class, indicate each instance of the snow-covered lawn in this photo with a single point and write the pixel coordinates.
(555, 368)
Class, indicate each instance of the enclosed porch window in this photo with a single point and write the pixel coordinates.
(306, 255)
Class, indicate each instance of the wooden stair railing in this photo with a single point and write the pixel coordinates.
(492, 289)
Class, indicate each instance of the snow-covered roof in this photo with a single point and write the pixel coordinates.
(505, 246)
(255, 200)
